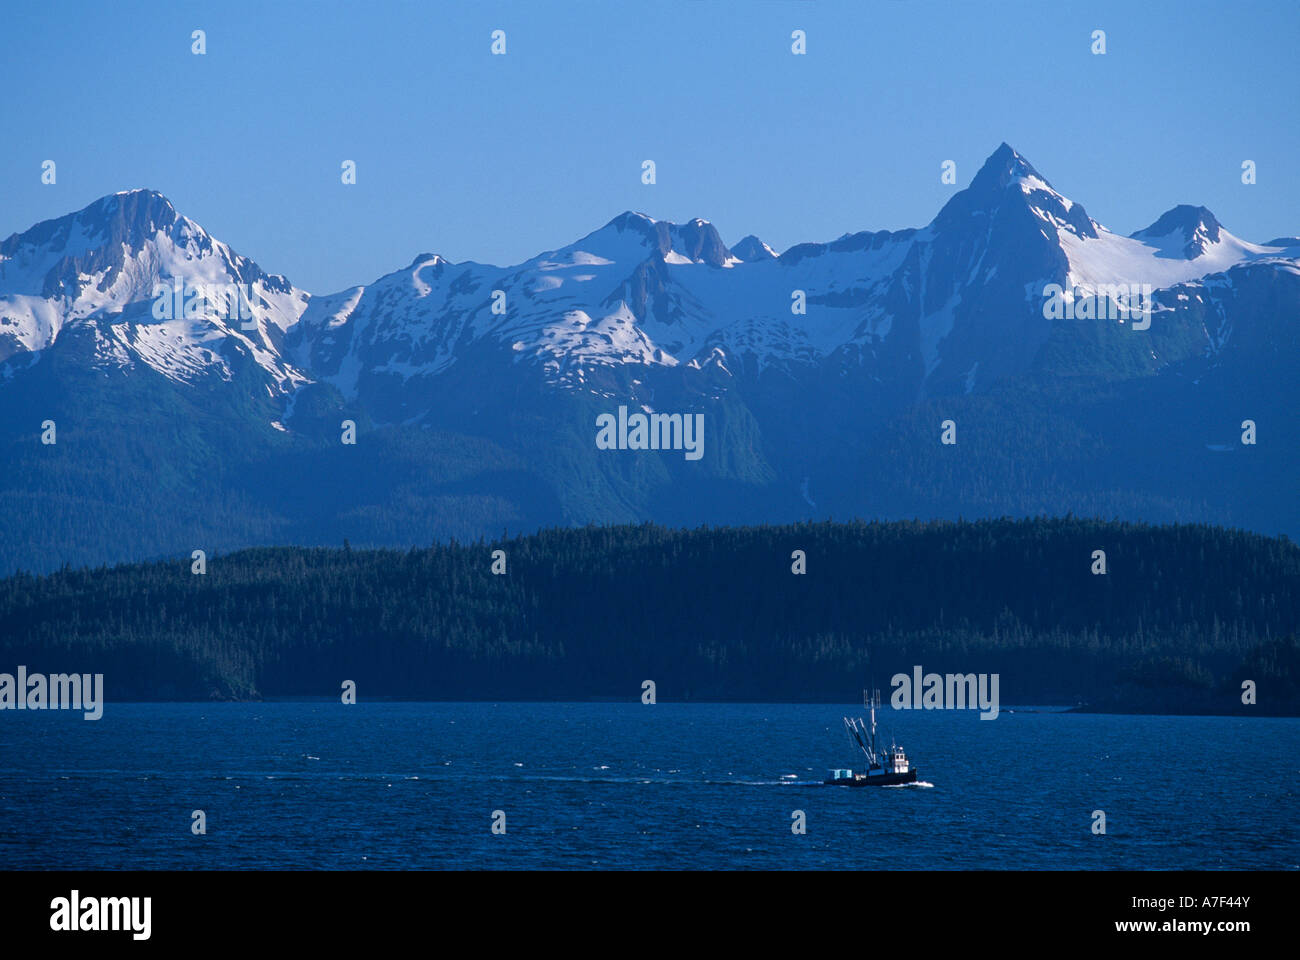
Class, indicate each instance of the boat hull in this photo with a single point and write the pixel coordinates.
(873, 780)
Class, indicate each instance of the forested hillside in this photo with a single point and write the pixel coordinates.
(1181, 617)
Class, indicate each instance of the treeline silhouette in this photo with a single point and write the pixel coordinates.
(1182, 617)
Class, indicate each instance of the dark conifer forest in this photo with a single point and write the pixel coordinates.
(1182, 617)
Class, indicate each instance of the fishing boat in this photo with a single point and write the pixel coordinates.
(885, 768)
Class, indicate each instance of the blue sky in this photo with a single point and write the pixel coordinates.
(497, 158)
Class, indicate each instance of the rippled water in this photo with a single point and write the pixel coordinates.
(630, 786)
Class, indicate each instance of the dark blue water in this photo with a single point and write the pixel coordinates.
(629, 786)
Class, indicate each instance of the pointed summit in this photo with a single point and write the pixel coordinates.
(752, 249)
(1008, 181)
(1002, 167)
(1187, 229)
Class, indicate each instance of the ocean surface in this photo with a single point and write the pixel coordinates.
(632, 786)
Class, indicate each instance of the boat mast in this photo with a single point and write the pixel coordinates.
(870, 699)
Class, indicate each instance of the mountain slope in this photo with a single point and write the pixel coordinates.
(124, 273)
(822, 375)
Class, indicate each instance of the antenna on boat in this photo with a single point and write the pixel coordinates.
(871, 699)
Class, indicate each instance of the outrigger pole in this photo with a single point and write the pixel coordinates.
(855, 735)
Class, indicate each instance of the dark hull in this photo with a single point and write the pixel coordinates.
(875, 780)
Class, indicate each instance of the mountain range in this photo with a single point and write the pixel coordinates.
(824, 374)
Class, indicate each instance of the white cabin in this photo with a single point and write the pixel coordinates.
(897, 760)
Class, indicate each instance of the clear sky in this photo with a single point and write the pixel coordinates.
(497, 158)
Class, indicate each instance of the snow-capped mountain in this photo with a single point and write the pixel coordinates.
(101, 272)
(822, 372)
(957, 303)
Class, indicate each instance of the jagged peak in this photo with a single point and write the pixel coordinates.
(141, 204)
(1007, 174)
(697, 240)
(427, 259)
(1185, 219)
(127, 218)
(1003, 166)
(751, 249)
